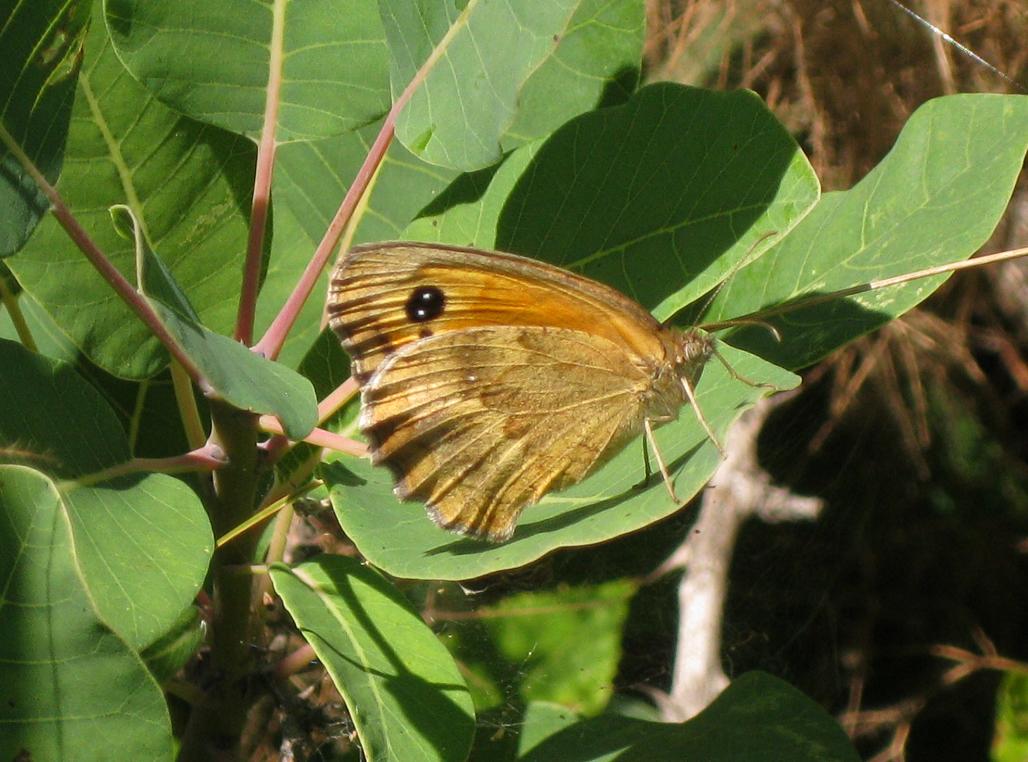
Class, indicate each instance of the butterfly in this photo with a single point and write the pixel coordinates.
(489, 380)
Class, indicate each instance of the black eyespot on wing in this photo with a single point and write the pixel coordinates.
(426, 303)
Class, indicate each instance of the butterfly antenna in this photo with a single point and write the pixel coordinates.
(738, 376)
(691, 395)
(720, 326)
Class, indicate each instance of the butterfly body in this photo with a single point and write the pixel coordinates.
(488, 380)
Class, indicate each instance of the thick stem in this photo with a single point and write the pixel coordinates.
(215, 727)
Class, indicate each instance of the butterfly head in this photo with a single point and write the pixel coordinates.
(693, 348)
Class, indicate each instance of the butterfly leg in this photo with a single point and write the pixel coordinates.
(648, 472)
(739, 377)
(702, 418)
(648, 428)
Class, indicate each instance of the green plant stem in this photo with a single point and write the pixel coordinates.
(218, 724)
(10, 302)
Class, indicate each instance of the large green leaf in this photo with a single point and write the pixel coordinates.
(40, 53)
(72, 689)
(662, 198)
(212, 60)
(188, 185)
(934, 199)
(508, 72)
(758, 718)
(404, 691)
(399, 537)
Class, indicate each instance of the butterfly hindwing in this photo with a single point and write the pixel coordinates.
(479, 423)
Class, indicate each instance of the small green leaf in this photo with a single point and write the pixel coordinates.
(211, 60)
(71, 688)
(142, 545)
(405, 693)
(243, 379)
(758, 718)
(934, 199)
(40, 54)
(508, 73)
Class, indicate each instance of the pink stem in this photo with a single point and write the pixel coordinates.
(271, 343)
(122, 287)
(318, 437)
(262, 182)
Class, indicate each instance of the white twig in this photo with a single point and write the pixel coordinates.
(740, 489)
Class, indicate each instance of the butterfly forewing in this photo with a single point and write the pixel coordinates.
(371, 292)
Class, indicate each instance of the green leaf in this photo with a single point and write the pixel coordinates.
(662, 197)
(40, 53)
(400, 539)
(405, 693)
(71, 686)
(189, 185)
(935, 198)
(142, 545)
(310, 182)
(52, 419)
(1011, 741)
(212, 59)
(241, 378)
(508, 73)
(564, 644)
(758, 717)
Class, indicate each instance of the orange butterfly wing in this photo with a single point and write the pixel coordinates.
(370, 294)
(489, 380)
(477, 424)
